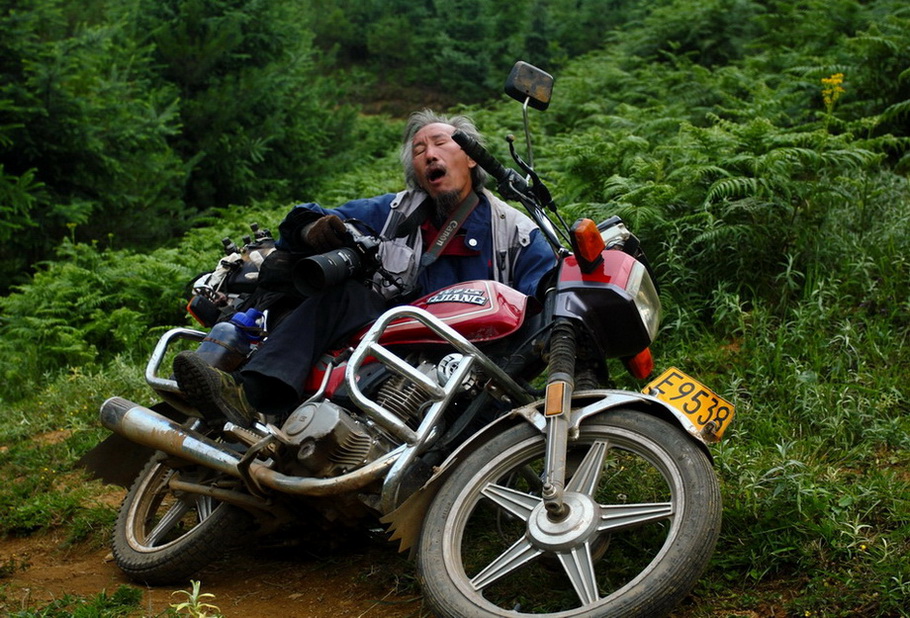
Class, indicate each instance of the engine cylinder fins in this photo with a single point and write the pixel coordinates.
(403, 398)
(353, 451)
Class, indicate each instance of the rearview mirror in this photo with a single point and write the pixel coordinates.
(528, 83)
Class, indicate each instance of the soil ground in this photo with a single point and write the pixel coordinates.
(373, 582)
(364, 578)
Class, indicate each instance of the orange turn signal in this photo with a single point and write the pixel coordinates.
(641, 365)
(587, 240)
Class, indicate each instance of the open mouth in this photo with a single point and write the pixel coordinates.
(435, 173)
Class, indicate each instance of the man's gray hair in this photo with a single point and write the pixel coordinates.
(419, 120)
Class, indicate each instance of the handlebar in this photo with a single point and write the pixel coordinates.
(480, 154)
(510, 184)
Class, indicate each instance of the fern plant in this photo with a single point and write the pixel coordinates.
(86, 308)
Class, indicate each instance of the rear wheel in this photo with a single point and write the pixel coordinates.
(164, 536)
(644, 517)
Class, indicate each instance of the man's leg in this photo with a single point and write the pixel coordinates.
(273, 379)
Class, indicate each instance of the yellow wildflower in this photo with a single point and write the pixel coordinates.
(832, 90)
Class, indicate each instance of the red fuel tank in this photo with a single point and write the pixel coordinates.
(479, 310)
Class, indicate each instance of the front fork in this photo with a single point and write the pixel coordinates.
(558, 411)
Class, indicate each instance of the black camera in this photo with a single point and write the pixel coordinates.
(319, 272)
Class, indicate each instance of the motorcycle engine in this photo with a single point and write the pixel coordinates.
(404, 398)
(330, 441)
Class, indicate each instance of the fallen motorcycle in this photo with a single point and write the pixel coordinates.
(564, 499)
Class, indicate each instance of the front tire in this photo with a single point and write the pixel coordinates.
(164, 536)
(645, 516)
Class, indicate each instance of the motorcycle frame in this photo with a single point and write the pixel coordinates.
(405, 518)
(413, 442)
(561, 419)
(426, 434)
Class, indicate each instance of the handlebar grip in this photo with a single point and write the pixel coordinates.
(483, 158)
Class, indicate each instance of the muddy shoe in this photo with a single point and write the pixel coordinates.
(213, 392)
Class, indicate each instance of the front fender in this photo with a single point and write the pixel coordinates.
(406, 521)
(595, 401)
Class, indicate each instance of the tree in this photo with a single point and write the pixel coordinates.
(83, 134)
(256, 122)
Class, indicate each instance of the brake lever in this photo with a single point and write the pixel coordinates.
(514, 187)
(538, 189)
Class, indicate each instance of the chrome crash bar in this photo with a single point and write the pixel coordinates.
(440, 394)
(166, 385)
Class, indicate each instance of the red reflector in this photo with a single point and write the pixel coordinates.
(588, 241)
(189, 309)
(641, 365)
(193, 308)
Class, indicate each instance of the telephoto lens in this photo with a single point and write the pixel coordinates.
(318, 272)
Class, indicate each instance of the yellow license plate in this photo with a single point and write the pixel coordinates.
(710, 413)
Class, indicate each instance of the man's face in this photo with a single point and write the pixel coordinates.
(442, 167)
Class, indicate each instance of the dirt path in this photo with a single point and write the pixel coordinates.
(287, 584)
(375, 583)
(369, 579)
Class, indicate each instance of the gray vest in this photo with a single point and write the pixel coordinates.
(511, 231)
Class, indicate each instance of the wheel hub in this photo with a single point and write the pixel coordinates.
(572, 530)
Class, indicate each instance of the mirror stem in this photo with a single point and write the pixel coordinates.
(528, 133)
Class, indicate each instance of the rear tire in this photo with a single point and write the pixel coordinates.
(645, 514)
(163, 536)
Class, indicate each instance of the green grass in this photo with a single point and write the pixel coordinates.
(815, 472)
(43, 437)
(123, 602)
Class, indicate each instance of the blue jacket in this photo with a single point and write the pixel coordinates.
(533, 261)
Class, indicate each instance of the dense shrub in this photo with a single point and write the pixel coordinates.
(86, 307)
(153, 112)
(83, 135)
(255, 121)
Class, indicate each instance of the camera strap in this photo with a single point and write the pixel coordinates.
(406, 226)
(449, 229)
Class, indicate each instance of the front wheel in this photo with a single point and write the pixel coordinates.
(163, 535)
(644, 517)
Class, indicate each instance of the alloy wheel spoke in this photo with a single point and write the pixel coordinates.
(518, 503)
(579, 566)
(203, 507)
(167, 522)
(615, 517)
(588, 474)
(513, 558)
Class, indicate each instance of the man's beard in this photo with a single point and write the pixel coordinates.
(446, 203)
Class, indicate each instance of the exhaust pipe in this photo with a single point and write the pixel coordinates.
(148, 428)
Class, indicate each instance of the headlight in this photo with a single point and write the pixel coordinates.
(641, 288)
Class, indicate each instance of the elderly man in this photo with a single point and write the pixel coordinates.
(443, 229)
